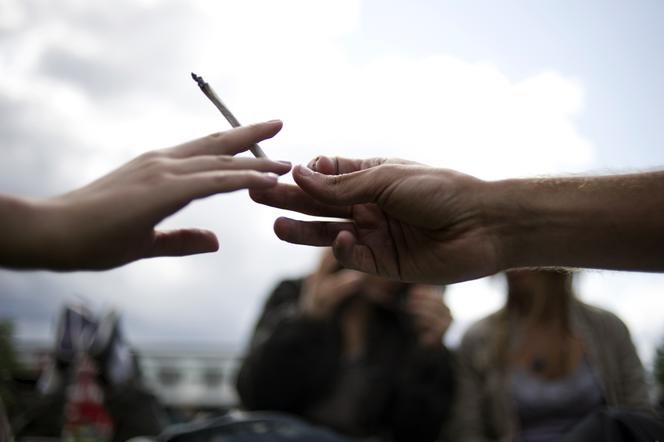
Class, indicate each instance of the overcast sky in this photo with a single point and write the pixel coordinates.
(496, 89)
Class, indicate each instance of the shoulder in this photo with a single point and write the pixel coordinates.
(598, 315)
(602, 322)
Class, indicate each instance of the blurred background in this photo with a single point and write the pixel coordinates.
(495, 89)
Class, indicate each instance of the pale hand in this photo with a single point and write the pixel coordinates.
(111, 221)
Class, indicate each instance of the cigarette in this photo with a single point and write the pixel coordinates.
(214, 98)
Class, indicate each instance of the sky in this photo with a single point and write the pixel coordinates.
(494, 89)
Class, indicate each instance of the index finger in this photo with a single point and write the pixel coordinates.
(291, 197)
(339, 165)
(230, 142)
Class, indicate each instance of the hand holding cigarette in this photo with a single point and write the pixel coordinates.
(111, 221)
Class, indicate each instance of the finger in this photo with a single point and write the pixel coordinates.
(339, 165)
(426, 291)
(425, 313)
(433, 313)
(203, 184)
(290, 197)
(204, 163)
(431, 339)
(422, 324)
(363, 186)
(328, 263)
(414, 306)
(433, 305)
(229, 142)
(353, 255)
(312, 233)
(347, 282)
(182, 242)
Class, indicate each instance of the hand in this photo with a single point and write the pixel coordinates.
(431, 316)
(404, 220)
(418, 223)
(327, 287)
(111, 221)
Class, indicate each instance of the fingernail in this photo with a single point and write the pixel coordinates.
(273, 121)
(287, 163)
(304, 170)
(272, 176)
(313, 164)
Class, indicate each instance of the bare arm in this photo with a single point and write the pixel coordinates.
(417, 223)
(608, 222)
(111, 221)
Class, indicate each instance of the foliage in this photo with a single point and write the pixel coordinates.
(659, 374)
(8, 362)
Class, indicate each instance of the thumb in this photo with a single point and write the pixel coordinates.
(363, 186)
(182, 242)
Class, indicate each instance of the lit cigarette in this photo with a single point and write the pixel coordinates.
(214, 98)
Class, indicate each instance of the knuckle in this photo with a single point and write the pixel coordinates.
(155, 168)
(336, 185)
(335, 164)
(237, 178)
(335, 180)
(220, 179)
(157, 177)
(216, 136)
(252, 174)
(380, 161)
(147, 157)
(156, 165)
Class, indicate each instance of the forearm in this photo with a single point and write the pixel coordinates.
(612, 222)
(23, 233)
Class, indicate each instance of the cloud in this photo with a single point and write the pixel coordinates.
(87, 85)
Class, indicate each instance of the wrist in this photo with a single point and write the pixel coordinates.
(24, 237)
(503, 221)
(525, 223)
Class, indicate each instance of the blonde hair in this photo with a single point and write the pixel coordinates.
(548, 306)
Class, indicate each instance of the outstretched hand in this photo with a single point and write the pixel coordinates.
(401, 219)
(111, 221)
